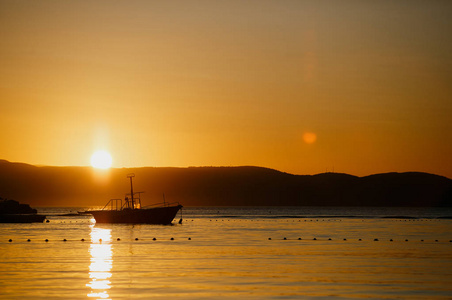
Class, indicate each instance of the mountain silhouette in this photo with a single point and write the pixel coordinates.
(219, 186)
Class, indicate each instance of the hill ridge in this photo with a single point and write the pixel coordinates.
(220, 186)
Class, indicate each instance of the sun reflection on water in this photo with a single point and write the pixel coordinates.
(101, 263)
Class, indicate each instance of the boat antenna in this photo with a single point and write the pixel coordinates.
(131, 175)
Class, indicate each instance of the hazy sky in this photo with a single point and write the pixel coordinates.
(226, 83)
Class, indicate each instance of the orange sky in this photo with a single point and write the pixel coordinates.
(226, 83)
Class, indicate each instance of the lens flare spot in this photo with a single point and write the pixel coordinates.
(309, 137)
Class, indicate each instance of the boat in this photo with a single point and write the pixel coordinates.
(11, 211)
(131, 211)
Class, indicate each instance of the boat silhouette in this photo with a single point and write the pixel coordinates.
(131, 211)
(12, 211)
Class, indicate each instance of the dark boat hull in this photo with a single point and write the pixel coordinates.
(157, 215)
(21, 218)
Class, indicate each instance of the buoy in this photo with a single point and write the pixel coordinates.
(136, 239)
(422, 240)
(82, 240)
(269, 239)
(406, 240)
(189, 239)
(299, 239)
(64, 240)
(47, 240)
(154, 239)
(10, 240)
(360, 240)
(345, 239)
(329, 239)
(284, 238)
(390, 240)
(314, 239)
(118, 239)
(47, 221)
(375, 240)
(172, 239)
(436, 240)
(100, 240)
(28, 240)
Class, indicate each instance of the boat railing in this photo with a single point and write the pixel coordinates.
(163, 204)
(113, 203)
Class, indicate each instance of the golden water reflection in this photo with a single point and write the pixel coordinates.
(101, 263)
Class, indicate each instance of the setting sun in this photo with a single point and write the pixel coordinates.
(101, 160)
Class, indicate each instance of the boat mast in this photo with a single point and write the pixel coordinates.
(131, 175)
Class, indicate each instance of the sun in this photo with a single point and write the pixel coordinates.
(101, 160)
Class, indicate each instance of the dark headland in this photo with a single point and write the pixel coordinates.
(220, 186)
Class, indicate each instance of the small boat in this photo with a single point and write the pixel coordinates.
(131, 212)
(12, 211)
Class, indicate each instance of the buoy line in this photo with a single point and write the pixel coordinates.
(345, 239)
(269, 238)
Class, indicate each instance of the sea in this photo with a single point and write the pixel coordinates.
(233, 253)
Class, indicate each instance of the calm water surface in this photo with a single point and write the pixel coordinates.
(258, 253)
